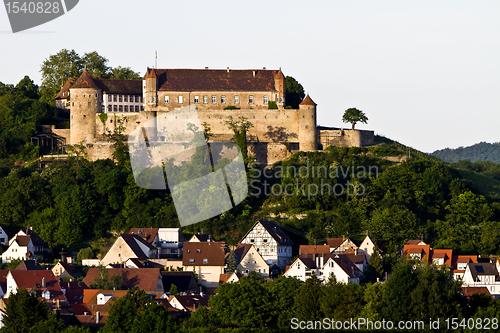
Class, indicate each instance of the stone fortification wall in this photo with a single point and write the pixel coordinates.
(267, 153)
(346, 138)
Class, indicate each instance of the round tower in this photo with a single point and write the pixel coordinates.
(85, 103)
(307, 125)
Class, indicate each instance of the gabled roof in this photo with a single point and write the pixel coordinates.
(144, 278)
(184, 281)
(204, 254)
(241, 251)
(223, 278)
(415, 242)
(33, 280)
(307, 101)
(314, 249)
(148, 234)
(203, 237)
(65, 89)
(357, 258)
(346, 264)
(132, 241)
(35, 239)
(335, 243)
(191, 302)
(29, 265)
(214, 79)
(22, 240)
(308, 262)
(446, 254)
(274, 231)
(85, 81)
(423, 250)
(67, 267)
(481, 269)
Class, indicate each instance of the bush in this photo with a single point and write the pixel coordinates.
(231, 107)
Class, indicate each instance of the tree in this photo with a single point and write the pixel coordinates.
(124, 73)
(232, 264)
(154, 318)
(354, 116)
(294, 92)
(122, 314)
(307, 305)
(173, 290)
(56, 70)
(96, 65)
(240, 128)
(24, 310)
(375, 268)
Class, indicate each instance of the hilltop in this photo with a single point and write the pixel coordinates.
(482, 151)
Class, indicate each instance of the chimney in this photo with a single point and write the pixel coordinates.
(97, 317)
(253, 73)
(317, 260)
(321, 261)
(58, 305)
(263, 67)
(355, 251)
(227, 69)
(44, 284)
(206, 67)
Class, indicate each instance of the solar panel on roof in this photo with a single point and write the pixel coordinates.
(479, 269)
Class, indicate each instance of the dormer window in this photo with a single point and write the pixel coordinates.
(252, 240)
(198, 251)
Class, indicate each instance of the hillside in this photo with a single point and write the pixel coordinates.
(482, 151)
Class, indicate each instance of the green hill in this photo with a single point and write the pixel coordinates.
(482, 151)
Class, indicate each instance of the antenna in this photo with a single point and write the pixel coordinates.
(156, 59)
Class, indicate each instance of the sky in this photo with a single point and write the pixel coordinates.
(426, 73)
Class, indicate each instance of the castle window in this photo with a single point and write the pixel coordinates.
(109, 108)
(120, 108)
(180, 99)
(281, 99)
(250, 99)
(114, 98)
(167, 99)
(150, 99)
(109, 98)
(119, 98)
(236, 99)
(142, 108)
(125, 108)
(89, 103)
(115, 108)
(196, 99)
(137, 108)
(73, 103)
(205, 99)
(214, 99)
(141, 99)
(125, 98)
(136, 99)
(266, 100)
(223, 99)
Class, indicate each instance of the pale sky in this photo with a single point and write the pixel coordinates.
(426, 73)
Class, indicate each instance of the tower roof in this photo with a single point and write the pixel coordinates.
(307, 101)
(85, 81)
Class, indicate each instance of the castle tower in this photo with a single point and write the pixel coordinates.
(147, 117)
(279, 84)
(86, 101)
(307, 125)
(150, 90)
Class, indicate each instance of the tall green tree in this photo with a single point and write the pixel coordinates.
(307, 305)
(294, 92)
(240, 128)
(23, 312)
(354, 116)
(124, 73)
(232, 264)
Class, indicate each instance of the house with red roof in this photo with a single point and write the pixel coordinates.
(148, 279)
(207, 260)
(43, 283)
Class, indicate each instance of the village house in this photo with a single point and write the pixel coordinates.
(229, 278)
(207, 259)
(340, 245)
(42, 282)
(168, 241)
(63, 270)
(129, 246)
(302, 269)
(483, 275)
(25, 245)
(272, 243)
(4, 238)
(250, 260)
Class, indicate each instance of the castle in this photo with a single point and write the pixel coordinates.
(215, 95)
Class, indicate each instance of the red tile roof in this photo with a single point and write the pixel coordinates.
(33, 280)
(148, 234)
(144, 278)
(469, 291)
(64, 92)
(215, 79)
(446, 254)
(307, 101)
(424, 250)
(204, 254)
(314, 249)
(85, 81)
